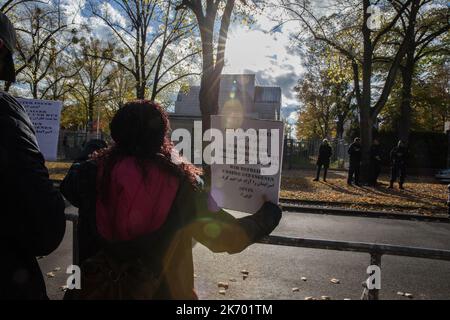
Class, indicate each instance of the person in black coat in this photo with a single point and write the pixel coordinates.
(399, 156)
(325, 153)
(32, 211)
(355, 153)
(375, 162)
(90, 148)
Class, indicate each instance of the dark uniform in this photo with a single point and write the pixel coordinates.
(375, 161)
(355, 153)
(325, 153)
(399, 156)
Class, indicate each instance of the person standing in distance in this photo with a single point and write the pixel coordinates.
(375, 162)
(399, 156)
(325, 153)
(355, 154)
(32, 211)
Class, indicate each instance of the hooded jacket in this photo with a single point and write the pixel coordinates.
(165, 213)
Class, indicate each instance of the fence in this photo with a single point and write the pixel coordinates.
(376, 251)
(297, 154)
(71, 143)
(304, 153)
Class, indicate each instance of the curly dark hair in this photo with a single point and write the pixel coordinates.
(140, 129)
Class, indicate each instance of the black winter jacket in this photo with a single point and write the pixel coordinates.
(32, 211)
(189, 218)
(399, 156)
(325, 153)
(355, 153)
(375, 154)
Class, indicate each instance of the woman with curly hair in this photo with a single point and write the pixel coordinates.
(139, 211)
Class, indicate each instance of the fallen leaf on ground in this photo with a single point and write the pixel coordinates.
(51, 274)
(335, 281)
(223, 285)
(424, 195)
(295, 289)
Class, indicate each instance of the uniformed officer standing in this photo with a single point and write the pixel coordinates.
(375, 162)
(325, 153)
(355, 153)
(399, 157)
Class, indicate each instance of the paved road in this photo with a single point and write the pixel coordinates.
(274, 270)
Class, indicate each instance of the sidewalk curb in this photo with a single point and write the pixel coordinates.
(364, 214)
(317, 209)
(339, 204)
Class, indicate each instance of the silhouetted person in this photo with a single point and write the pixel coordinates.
(91, 147)
(140, 206)
(325, 153)
(32, 211)
(375, 162)
(399, 156)
(355, 153)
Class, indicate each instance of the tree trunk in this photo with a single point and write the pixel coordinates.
(404, 127)
(210, 81)
(407, 74)
(143, 69)
(366, 121)
(91, 117)
(212, 63)
(137, 65)
(209, 98)
(7, 86)
(34, 90)
(141, 91)
(366, 130)
(340, 127)
(157, 72)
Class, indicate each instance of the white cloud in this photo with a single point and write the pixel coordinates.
(72, 10)
(249, 49)
(255, 50)
(114, 16)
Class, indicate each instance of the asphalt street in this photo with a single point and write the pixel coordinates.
(274, 271)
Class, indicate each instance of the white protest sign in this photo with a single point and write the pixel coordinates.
(45, 116)
(251, 170)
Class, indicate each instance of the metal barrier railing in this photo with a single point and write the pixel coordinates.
(73, 217)
(376, 251)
